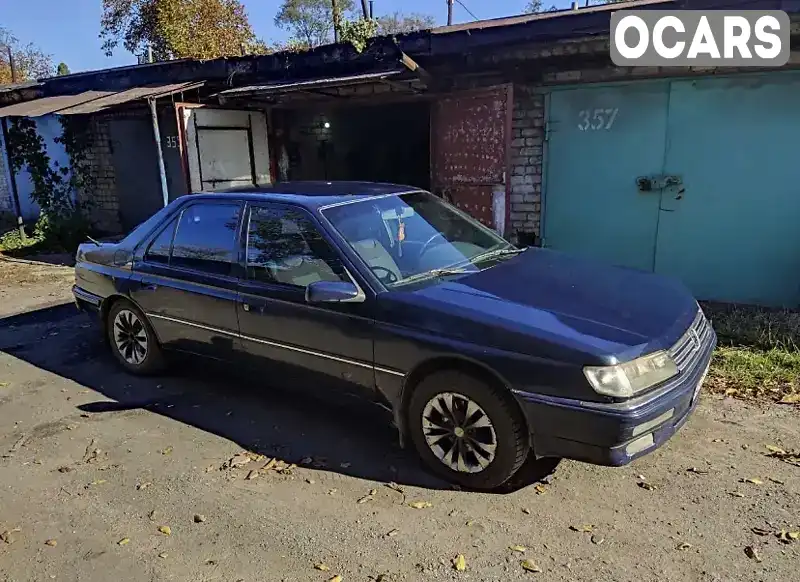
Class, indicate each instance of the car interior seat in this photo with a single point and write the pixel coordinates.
(299, 265)
(366, 236)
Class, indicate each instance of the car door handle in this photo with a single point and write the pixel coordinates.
(149, 286)
(246, 306)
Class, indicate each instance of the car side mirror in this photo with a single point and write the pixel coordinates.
(333, 292)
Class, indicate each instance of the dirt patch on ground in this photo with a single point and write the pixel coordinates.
(27, 284)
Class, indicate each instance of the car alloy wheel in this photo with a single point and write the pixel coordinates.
(130, 337)
(459, 432)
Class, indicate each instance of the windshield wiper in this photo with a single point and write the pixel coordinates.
(497, 253)
(433, 273)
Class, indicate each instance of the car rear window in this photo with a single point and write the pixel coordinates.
(205, 238)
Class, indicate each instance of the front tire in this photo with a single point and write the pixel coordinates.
(132, 339)
(467, 431)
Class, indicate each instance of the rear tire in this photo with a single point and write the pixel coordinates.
(132, 339)
(467, 431)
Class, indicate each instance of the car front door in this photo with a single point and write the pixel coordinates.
(322, 345)
(185, 279)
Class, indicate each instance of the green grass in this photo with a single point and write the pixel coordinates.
(11, 243)
(758, 355)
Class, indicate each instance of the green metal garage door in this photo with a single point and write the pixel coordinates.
(717, 203)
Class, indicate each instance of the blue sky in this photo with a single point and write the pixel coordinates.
(68, 29)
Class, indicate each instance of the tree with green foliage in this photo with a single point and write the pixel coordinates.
(200, 29)
(62, 69)
(399, 23)
(29, 61)
(310, 22)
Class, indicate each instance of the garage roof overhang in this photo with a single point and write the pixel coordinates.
(92, 101)
(404, 76)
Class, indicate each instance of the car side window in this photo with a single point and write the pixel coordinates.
(205, 238)
(284, 247)
(159, 249)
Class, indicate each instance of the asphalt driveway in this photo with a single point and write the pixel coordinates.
(209, 475)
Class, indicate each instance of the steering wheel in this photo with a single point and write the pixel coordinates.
(429, 241)
(389, 275)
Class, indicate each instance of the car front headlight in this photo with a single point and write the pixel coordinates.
(630, 378)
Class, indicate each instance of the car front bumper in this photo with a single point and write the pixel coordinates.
(614, 434)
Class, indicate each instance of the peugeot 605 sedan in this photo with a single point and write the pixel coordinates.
(485, 353)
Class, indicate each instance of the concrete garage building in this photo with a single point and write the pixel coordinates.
(523, 122)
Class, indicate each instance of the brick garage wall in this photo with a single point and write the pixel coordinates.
(527, 144)
(102, 200)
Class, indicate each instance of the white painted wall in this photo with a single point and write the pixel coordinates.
(49, 127)
(220, 158)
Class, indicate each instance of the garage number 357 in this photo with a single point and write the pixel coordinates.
(596, 119)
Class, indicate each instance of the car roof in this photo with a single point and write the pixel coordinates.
(312, 193)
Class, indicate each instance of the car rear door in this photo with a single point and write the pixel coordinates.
(186, 276)
(323, 346)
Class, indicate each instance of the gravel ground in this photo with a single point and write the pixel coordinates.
(95, 465)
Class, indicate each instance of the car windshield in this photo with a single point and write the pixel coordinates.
(414, 237)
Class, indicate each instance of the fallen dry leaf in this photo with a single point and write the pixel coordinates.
(65, 469)
(332, 491)
(597, 540)
(526, 511)
(540, 489)
(420, 504)
(163, 555)
(210, 468)
(582, 528)
(646, 485)
(165, 529)
(51, 543)
(167, 451)
(760, 531)
(520, 549)
(774, 449)
(530, 566)
(8, 535)
(794, 535)
(369, 496)
(394, 486)
(336, 578)
(752, 553)
(322, 567)
(269, 465)
(777, 481)
(735, 494)
(152, 515)
(697, 471)
(684, 546)
(252, 475)
(460, 563)
(753, 480)
(198, 518)
(392, 533)
(790, 399)
(124, 542)
(142, 486)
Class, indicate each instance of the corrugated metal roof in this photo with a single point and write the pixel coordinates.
(91, 101)
(129, 95)
(46, 105)
(275, 88)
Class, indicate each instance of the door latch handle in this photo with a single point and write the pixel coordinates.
(149, 286)
(246, 306)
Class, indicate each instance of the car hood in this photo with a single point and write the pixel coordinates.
(615, 313)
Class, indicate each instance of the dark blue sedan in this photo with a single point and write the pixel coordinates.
(485, 353)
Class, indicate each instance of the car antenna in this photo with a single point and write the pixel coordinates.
(93, 240)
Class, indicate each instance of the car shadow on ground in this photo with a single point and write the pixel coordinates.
(264, 415)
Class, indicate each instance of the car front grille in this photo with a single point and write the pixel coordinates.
(688, 347)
